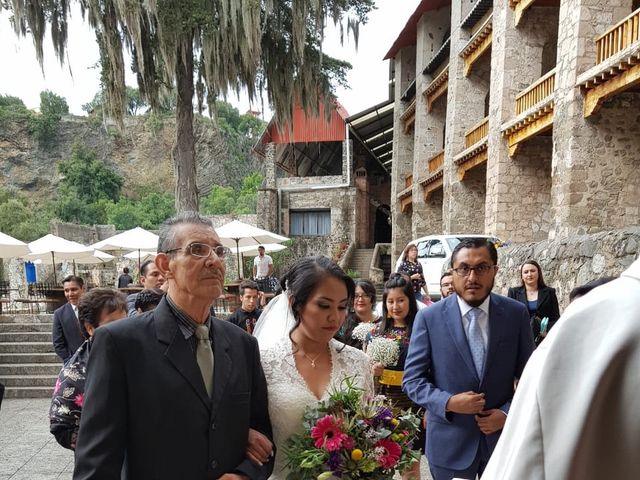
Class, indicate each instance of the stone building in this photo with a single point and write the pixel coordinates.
(516, 118)
(324, 186)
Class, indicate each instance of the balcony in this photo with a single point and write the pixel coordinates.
(408, 117)
(433, 180)
(437, 88)
(405, 196)
(617, 66)
(534, 112)
(478, 45)
(475, 148)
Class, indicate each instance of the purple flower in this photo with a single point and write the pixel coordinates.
(382, 415)
(334, 462)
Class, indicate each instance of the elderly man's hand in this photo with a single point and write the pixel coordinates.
(490, 421)
(259, 447)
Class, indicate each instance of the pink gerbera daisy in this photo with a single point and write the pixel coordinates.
(387, 453)
(327, 433)
(79, 400)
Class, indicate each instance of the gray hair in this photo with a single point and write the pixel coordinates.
(167, 232)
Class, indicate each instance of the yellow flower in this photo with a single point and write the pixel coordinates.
(325, 476)
(356, 454)
(395, 422)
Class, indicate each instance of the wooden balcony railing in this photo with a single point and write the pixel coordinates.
(477, 133)
(408, 181)
(436, 162)
(619, 37)
(536, 93)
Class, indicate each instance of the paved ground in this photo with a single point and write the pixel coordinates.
(29, 452)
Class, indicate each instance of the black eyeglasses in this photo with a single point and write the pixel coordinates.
(465, 270)
(203, 250)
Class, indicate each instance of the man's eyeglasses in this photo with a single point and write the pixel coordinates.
(465, 270)
(203, 250)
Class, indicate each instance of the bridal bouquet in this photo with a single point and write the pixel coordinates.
(352, 435)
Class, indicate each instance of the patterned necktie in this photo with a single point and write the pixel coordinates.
(476, 342)
(204, 357)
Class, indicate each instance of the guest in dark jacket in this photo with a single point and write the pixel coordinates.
(67, 333)
(98, 307)
(540, 300)
(248, 313)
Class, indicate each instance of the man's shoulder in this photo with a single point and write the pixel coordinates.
(508, 303)
(234, 332)
(60, 310)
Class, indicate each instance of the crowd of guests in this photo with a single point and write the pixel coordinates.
(145, 387)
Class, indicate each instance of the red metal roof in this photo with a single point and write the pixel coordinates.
(309, 128)
(409, 33)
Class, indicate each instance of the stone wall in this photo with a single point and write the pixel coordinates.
(571, 261)
(85, 234)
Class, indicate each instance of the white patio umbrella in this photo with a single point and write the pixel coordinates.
(50, 247)
(137, 239)
(143, 255)
(12, 247)
(238, 234)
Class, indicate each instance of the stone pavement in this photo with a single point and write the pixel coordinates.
(29, 452)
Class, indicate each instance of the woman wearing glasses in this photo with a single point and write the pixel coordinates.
(540, 300)
(363, 312)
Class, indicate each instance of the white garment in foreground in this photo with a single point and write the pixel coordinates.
(289, 394)
(576, 412)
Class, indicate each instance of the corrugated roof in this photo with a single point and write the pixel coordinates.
(409, 33)
(373, 127)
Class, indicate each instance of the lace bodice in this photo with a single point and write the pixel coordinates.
(289, 395)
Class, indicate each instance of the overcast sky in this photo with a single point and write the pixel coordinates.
(78, 79)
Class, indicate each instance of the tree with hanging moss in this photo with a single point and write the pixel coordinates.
(205, 49)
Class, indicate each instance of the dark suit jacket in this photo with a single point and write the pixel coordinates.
(439, 364)
(67, 334)
(146, 405)
(547, 304)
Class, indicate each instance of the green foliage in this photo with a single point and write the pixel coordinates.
(227, 200)
(154, 121)
(12, 109)
(91, 178)
(134, 103)
(45, 126)
(147, 212)
(21, 218)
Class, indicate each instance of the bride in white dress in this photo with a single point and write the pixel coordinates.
(301, 360)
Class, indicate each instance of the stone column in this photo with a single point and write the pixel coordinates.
(402, 165)
(267, 198)
(463, 208)
(596, 179)
(518, 188)
(427, 217)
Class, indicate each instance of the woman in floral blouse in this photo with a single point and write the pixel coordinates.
(412, 267)
(399, 310)
(96, 308)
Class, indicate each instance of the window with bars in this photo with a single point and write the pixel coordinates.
(310, 222)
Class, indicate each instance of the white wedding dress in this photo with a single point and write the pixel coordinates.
(289, 395)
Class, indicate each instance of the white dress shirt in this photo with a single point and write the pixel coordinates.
(483, 318)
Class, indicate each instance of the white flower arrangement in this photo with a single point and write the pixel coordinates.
(362, 331)
(383, 350)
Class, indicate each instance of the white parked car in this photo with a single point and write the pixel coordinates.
(434, 253)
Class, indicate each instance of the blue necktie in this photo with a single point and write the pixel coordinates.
(476, 342)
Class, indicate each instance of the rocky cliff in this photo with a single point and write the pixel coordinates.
(141, 153)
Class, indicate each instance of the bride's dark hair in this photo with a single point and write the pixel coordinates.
(302, 279)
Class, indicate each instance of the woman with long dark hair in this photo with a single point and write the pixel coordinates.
(399, 309)
(413, 268)
(306, 362)
(540, 300)
(364, 302)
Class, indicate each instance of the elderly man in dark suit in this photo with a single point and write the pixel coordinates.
(67, 333)
(175, 393)
(465, 353)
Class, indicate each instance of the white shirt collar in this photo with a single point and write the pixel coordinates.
(465, 307)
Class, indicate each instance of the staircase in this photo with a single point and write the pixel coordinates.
(28, 365)
(361, 261)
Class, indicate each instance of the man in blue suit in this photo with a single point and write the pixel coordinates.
(465, 354)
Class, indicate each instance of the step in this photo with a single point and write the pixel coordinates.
(26, 327)
(22, 358)
(26, 318)
(28, 380)
(12, 337)
(28, 392)
(30, 368)
(26, 347)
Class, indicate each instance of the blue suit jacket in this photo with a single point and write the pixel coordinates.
(439, 365)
